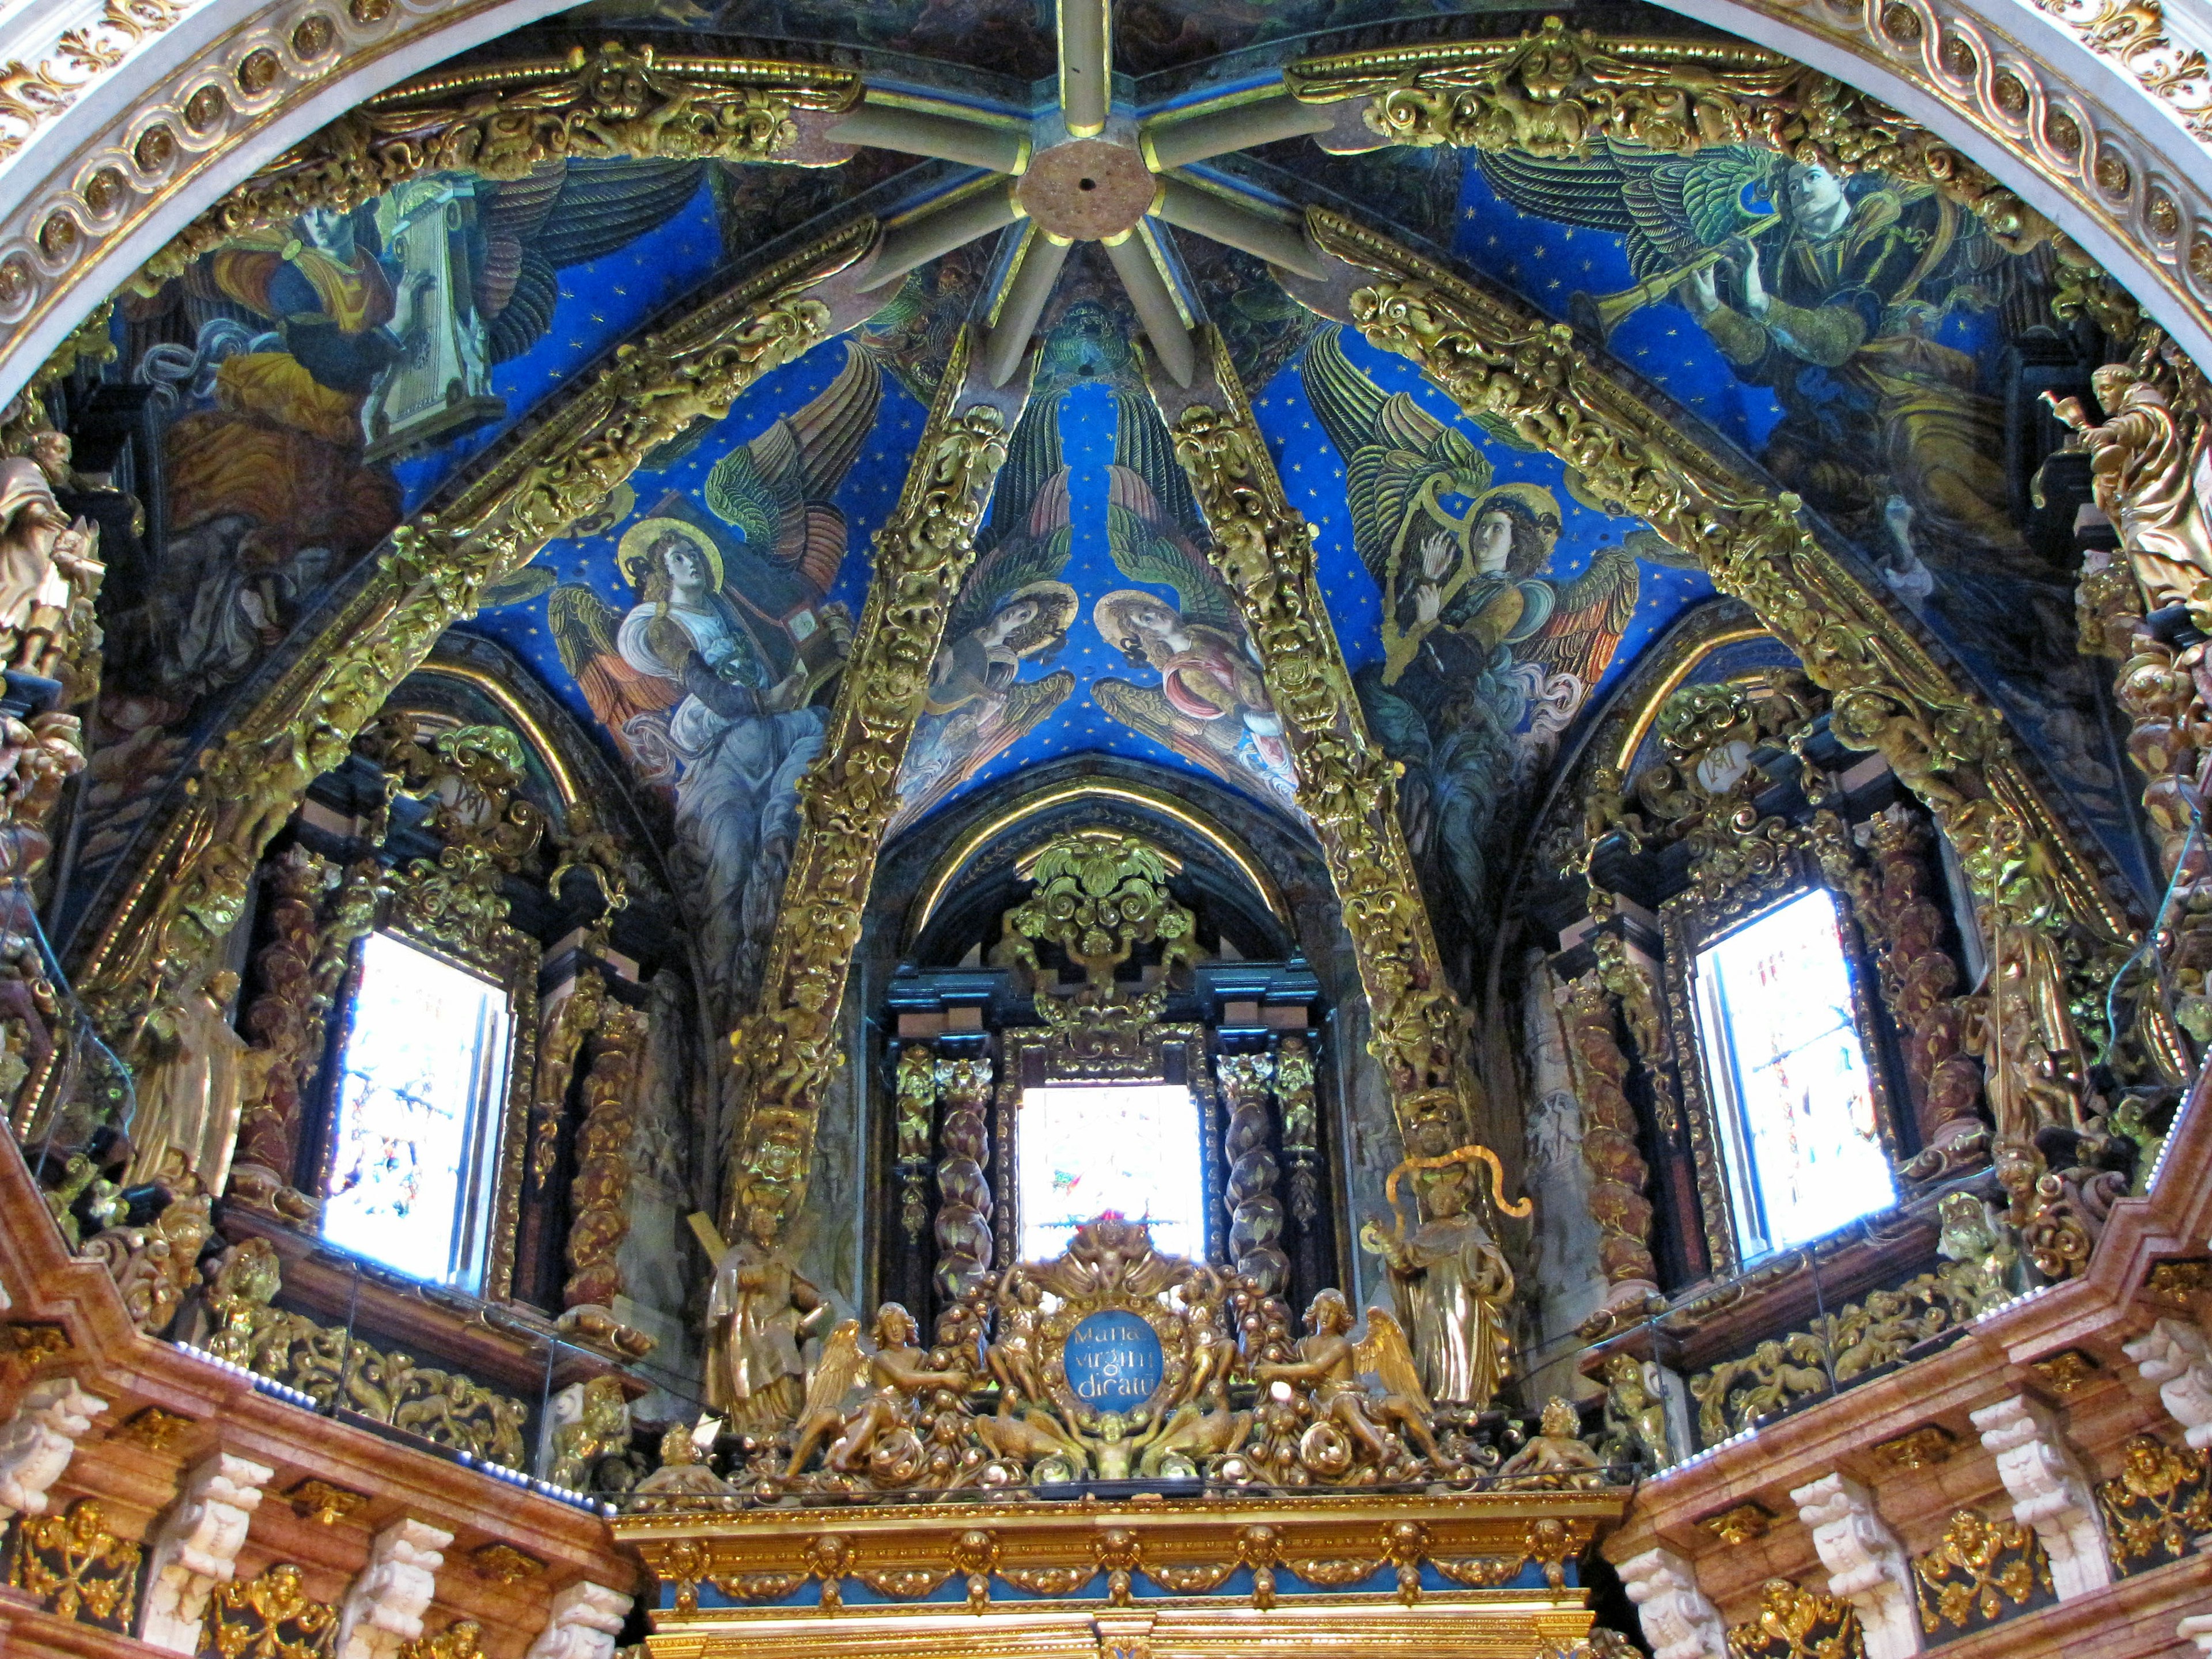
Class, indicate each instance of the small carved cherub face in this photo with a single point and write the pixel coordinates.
(1561, 1421)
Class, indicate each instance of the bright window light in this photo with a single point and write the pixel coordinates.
(423, 1071)
(1083, 1150)
(1790, 1078)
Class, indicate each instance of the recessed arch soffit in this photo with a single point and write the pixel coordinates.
(1088, 625)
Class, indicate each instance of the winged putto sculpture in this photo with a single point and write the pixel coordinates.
(1111, 1362)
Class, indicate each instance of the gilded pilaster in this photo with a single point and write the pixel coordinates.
(789, 1050)
(1264, 551)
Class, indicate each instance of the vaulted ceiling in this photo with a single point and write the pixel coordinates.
(1869, 344)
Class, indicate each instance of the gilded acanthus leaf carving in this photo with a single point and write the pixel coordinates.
(1557, 91)
(1264, 550)
(617, 103)
(787, 1051)
(429, 574)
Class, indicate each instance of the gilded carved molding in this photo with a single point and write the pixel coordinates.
(787, 1051)
(599, 1199)
(1263, 549)
(2056, 933)
(1617, 1170)
(501, 121)
(191, 886)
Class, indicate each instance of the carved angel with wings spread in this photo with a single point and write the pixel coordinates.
(1012, 609)
(1486, 658)
(1209, 704)
(706, 684)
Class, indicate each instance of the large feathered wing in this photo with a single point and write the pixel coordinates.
(1207, 743)
(584, 627)
(1668, 208)
(836, 1372)
(776, 488)
(1586, 624)
(1398, 458)
(1384, 1353)
(1027, 536)
(1147, 547)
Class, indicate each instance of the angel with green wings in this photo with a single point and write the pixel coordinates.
(707, 682)
(1486, 658)
(1012, 609)
(1209, 704)
(1828, 291)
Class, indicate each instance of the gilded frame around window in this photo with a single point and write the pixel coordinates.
(1028, 1060)
(1689, 922)
(509, 959)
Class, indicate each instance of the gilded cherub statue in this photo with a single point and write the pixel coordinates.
(1331, 1365)
(1556, 1456)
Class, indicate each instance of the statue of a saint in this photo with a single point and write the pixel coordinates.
(2150, 476)
(757, 1313)
(48, 563)
(188, 1099)
(1451, 1281)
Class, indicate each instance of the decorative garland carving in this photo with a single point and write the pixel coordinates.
(1256, 1214)
(916, 1089)
(599, 1197)
(271, 1617)
(787, 1051)
(963, 1196)
(1263, 549)
(619, 102)
(1798, 1624)
(193, 883)
(2158, 1504)
(1555, 90)
(1983, 1570)
(1617, 1170)
(77, 1567)
(1784, 1372)
(1295, 1099)
(332, 1365)
(2056, 936)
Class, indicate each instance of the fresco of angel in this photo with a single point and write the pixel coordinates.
(1486, 658)
(1827, 290)
(1209, 703)
(707, 682)
(1012, 609)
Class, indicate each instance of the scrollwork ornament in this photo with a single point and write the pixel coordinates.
(789, 1050)
(1264, 551)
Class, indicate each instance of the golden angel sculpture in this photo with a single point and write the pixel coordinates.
(1451, 1282)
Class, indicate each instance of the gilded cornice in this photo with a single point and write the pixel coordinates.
(191, 887)
(787, 1051)
(502, 120)
(1263, 549)
(50, 79)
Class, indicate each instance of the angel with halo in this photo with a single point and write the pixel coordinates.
(1012, 609)
(707, 682)
(1333, 1366)
(1209, 703)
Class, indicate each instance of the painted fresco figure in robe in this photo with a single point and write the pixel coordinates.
(1486, 658)
(1829, 293)
(1209, 703)
(710, 690)
(1012, 609)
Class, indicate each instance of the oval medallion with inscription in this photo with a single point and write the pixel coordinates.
(1114, 1361)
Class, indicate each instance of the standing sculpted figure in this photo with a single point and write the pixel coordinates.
(1451, 1281)
(757, 1312)
(2151, 479)
(48, 566)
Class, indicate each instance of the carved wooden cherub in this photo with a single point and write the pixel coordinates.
(901, 1374)
(1555, 1455)
(1329, 1364)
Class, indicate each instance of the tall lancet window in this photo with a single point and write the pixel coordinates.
(1789, 1081)
(1135, 1149)
(413, 1148)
